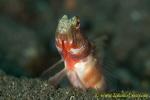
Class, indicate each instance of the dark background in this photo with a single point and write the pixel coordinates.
(120, 30)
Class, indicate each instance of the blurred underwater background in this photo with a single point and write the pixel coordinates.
(120, 30)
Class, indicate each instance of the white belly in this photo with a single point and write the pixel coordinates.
(76, 76)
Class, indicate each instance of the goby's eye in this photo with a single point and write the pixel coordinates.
(78, 22)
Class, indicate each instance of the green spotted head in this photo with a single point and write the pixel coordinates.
(65, 25)
(68, 32)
